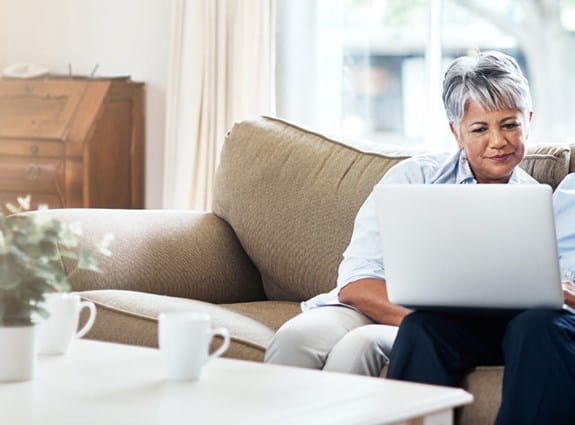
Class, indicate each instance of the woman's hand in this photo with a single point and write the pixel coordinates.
(370, 297)
(569, 293)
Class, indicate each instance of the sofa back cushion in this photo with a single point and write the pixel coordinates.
(547, 163)
(291, 196)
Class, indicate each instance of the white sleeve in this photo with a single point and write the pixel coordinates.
(363, 257)
(564, 206)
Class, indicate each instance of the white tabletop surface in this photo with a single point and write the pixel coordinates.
(103, 383)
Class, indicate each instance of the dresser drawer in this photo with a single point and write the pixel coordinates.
(32, 148)
(31, 175)
(50, 199)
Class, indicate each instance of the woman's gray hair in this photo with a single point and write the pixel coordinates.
(492, 79)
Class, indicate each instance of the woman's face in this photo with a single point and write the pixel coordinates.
(494, 141)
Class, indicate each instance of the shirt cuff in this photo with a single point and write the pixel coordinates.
(348, 280)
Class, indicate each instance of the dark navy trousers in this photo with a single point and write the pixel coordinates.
(537, 348)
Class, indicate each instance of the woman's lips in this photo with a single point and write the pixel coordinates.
(502, 157)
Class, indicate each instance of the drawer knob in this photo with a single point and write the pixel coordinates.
(32, 172)
(34, 149)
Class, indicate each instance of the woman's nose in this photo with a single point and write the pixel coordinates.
(497, 140)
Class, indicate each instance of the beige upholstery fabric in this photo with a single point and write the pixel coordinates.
(273, 314)
(131, 318)
(177, 253)
(291, 197)
(485, 383)
(547, 164)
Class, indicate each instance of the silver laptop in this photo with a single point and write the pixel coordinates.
(469, 246)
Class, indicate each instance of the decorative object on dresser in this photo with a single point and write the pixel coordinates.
(72, 142)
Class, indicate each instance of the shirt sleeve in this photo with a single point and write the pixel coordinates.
(363, 257)
(564, 208)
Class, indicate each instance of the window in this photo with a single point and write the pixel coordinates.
(370, 71)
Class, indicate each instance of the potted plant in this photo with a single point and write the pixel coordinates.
(32, 245)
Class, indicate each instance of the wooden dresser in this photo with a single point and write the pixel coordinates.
(72, 142)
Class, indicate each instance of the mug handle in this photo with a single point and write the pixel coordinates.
(223, 332)
(91, 319)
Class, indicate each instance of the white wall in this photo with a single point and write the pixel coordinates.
(125, 37)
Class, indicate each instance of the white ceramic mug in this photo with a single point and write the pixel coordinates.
(184, 340)
(55, 334)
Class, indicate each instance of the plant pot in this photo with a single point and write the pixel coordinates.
(17, 353)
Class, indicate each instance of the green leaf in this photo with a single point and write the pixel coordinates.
(23, 316)
(3, 243)
(104, 246)
(42, 312)
(36, 292)
(24, 202)
(69, 235)
(50, 274)
(69, 254)
(12, 208)
(62, 286)
(9, 284)
(43, 219)
(10, 275)
(87, 261)
(68, 239)
(18, 256)
(49, 250)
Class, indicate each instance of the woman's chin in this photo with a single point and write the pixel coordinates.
(498, 178)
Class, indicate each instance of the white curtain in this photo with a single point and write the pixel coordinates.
(221, 71)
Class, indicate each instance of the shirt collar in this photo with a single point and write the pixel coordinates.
(465, 175)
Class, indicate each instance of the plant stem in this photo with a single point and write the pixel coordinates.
(76, 268)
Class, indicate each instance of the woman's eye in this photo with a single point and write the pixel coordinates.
(479, 130)
(510, 126)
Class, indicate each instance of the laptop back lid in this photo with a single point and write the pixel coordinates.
(472, 246)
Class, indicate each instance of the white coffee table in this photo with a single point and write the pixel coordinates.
(102, 383)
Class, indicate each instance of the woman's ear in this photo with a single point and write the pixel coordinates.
(456, 135)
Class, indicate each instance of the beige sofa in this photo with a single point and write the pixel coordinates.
(285, 201)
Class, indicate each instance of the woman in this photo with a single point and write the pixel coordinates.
(352, 328)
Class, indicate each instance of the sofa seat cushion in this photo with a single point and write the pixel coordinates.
(485, 384)
(272, 314)
(130, 317)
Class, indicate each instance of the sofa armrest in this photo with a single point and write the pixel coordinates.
(185, 254)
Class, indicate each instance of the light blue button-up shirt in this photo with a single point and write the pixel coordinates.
(564, 205)
(363, 258)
